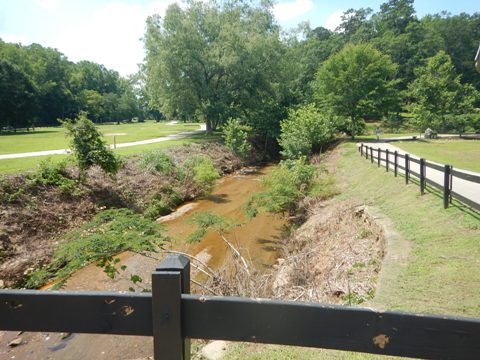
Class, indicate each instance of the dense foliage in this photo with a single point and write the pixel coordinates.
(236, 137)
(305, 130)
(283, 188)
(40, 85)
(89, 147)
(356, 82)
(440, 100)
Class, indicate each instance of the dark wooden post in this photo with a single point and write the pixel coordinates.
(371, 154)
(379, 156)
(446, 186)
(360, 149)
(451, 183)
(169, 281)
(407, 168)
(396, 163)
(387, 159)
(422, 175)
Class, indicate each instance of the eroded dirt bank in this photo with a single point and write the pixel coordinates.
(33, 217)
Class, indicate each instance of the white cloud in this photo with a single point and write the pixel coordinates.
(290, 10)
(13, 38)
(48, 4)
(334, 20)
(111, 35)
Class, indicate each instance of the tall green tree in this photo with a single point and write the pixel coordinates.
(438, 95)
(213, 62)
(356, 82)
(17, 97)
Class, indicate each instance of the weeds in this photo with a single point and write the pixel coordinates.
(201, 170)
(158, 161)
(283, 188)
(55, 174)
(109, 233)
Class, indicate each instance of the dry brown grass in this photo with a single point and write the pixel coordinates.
(334, 257)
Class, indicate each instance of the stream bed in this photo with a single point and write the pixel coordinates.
(258, 239)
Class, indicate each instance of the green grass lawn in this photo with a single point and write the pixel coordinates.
(52, 138)
(441, 276)
(441, 273)
(463, 154)
(10, 166)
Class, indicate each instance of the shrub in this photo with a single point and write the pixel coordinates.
(305, 130)
(283, 188)
(51, 173)
(200, 169)
(10, 192)
(157, 161)
(89, 147)
(235, 135)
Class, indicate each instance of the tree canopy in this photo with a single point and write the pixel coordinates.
(356, 82)
(213, 62)
(40, 85)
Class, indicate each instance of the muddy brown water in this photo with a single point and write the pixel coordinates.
(259, 239)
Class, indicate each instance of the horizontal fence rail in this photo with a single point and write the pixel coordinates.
(449, 174)
(172, 317)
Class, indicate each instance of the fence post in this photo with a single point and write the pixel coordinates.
(446, 186)
(422, 175)
(169, 281)
(371, 154)
(407, 167)
(396, 163)
(451, 183)
(379, 156)
(387, 159)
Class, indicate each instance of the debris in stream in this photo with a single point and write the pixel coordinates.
(15, 342)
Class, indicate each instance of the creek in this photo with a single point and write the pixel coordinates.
(258, 239)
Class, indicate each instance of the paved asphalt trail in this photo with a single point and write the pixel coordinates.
(177, 136)
(465, 188)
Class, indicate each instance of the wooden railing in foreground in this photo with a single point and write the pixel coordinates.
(172, 317)
(403, 162)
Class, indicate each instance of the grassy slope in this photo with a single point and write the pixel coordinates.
(9, 166)
(442, 273)
(52, 138)
(463, 154)
(440, 276)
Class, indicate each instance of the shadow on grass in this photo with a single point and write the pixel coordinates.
(467, 210)
(24, 132)
(439, 194)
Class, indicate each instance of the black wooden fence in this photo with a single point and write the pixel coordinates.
(395, 161)
(172, 316)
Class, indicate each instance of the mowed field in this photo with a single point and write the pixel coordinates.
(53, 138)
(462, 154)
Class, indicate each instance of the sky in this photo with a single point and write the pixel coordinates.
(109, 32)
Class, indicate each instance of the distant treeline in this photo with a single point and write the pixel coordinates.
(39, 85)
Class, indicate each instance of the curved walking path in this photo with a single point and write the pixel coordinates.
(468, 189)
(176, 136)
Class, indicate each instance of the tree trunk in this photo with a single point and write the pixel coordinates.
(208, 126)
(354, 127)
